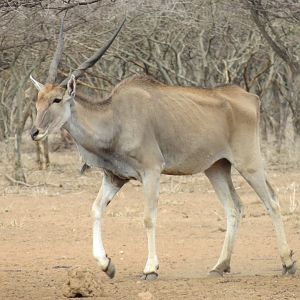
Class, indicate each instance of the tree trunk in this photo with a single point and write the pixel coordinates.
(19, 173)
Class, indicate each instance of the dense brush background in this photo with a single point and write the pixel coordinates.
(252, 43)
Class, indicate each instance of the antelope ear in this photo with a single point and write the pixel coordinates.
(71, 86)
(38, 85)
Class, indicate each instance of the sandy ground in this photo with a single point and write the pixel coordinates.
(45, 231)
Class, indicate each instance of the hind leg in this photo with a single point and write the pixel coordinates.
(256, 179)
(151, 191)
(219, 175)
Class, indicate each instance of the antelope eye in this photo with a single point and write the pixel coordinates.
(56, 100)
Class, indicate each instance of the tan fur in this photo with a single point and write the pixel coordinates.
(47, 94)
(145, 128)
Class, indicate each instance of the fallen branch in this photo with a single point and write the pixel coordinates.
(18, 182)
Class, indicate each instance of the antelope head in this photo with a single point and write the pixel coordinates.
(53, 102)
(53, 107)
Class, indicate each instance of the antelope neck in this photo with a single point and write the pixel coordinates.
(91, 128)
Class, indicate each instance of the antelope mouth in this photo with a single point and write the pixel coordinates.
(41, 136)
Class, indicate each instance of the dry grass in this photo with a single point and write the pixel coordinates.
(287, 159)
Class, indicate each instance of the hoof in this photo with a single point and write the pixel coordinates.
(215, 274)
(291, 270)
(150, 276)
(110, 270)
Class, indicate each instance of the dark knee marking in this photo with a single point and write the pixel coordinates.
(239, 208)
(148, 223)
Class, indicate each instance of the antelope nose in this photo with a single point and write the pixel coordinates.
(34, 132)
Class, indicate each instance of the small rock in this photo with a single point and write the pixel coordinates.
(145, 295)
(82, 282)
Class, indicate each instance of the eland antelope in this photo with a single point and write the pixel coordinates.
(145, 129)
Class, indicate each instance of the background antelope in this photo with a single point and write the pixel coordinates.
(144, 129)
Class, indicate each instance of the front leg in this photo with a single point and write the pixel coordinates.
(111, 184)
(151, 190)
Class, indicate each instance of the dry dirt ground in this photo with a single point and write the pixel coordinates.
(45, 230)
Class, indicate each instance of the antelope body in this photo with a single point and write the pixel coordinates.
(145, 129)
